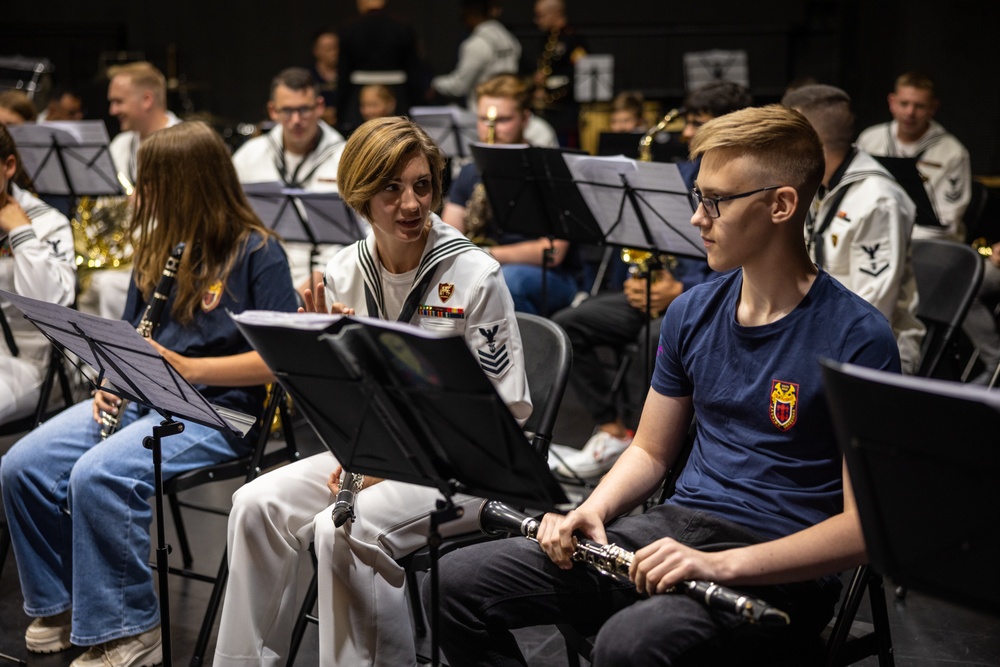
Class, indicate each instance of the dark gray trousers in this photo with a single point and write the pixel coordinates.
(488, 589)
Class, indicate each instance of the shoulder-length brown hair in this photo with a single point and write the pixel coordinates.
(187, 190)
(375, 154)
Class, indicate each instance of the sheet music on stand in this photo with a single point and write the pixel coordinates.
(67, 157)
(451, 127)
(594, 78)
(638, 204)
(305, 216)
(127, 360)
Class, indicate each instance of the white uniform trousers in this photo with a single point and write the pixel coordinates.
(363, 611)
(20, 385)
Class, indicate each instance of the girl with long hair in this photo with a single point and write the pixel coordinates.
(78, 507)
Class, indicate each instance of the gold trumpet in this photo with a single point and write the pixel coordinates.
(477, 209)
(491, 124)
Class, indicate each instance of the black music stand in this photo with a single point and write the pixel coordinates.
(304, 216)
(138, 373)
(594, 78)
(665, 146)
(923, 462)
(906, 173)
(451, 127)
(394, 401)
(531, 192)
(643, 205)
(67, 158)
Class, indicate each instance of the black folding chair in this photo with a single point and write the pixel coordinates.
(247, 467)
(948, 277)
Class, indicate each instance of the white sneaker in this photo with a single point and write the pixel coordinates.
(143, 650)
(596, 457)
(49, 634)
(559, 453)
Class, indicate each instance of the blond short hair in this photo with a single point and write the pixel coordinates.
(506, 86)
(375, 154)
(779, 141)
(144, 76)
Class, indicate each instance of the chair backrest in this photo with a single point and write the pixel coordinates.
(973, 217)
(548, 356)
(923, 462)
(948, 277)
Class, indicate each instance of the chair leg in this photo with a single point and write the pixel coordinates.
(848, 610)
(304, 616)
(880, 619)
(419, 627)
(214, 602)
(4, 544)
(182, 540)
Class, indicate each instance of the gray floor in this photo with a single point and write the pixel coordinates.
(925, 632)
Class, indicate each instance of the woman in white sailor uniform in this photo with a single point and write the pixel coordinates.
(413, 268)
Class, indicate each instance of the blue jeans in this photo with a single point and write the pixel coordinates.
(525, 284)
(79, 516)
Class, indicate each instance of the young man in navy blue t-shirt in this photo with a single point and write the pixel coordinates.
(764, 501)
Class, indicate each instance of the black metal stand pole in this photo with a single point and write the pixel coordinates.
(445, 512)
(166, 428)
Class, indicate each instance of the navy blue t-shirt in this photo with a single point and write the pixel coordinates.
(259, 280)
(765, 456)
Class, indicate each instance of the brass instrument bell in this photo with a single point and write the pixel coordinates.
(983, 247)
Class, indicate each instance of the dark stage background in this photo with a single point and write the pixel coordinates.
(224, 53)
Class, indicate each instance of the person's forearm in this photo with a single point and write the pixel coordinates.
(634, 478)
(238, 370)
(831, 546)
(529, 252)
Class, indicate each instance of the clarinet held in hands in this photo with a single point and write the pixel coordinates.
(497, 518)
(150, 319)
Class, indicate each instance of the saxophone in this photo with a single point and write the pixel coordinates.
(150, 319)
(646, 143)
(496, 518)
(640, 261)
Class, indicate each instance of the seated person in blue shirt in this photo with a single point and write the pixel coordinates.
(617, 318)
(95, 589)
(764, 500)
(468, 210)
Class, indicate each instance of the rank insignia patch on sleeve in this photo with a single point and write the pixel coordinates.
(494, 357)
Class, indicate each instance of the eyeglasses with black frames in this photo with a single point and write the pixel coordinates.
(711, 204)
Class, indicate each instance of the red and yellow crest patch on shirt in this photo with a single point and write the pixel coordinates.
(212, 296)
(783, 407)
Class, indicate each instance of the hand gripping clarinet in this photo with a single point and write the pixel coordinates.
(150, 320)
(496, 518)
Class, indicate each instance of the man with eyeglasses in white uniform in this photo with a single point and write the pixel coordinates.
(301, 152)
